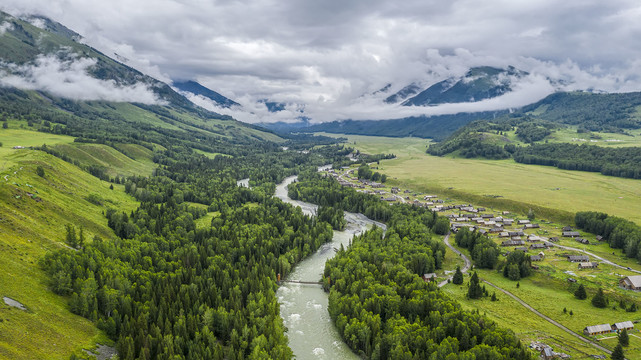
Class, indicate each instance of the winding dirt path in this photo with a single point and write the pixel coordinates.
(548, 319)
(603, 260)
(466, 266)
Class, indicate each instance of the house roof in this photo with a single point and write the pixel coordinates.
(623, 325)
(588, 264)
(598, 328)
(635, 280)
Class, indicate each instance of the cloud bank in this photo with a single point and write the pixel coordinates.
(70, 79)
(327, 55)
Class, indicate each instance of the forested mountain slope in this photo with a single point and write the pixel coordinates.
(589, 111)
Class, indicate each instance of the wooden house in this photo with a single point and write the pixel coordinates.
(632, 282)
(578, 258)
(538, 246)
(588, 265)
(429, 277)
(597, 329)
(620, 326)
(571, 234)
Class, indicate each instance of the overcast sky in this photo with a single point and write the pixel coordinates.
(325, 55)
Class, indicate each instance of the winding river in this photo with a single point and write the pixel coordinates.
(311, 333)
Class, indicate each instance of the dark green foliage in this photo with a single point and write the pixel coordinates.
(594, 112)
(632, 308)
(71, 238)
(470, 145)
(458, 276)
(580, 293)
(5, 125)
(94, 199)
(442, 226)
(618, 232)
(599, 299)
(381, 307)
(165, 288)
(474, 290)
(624, 339)
(620, 162)
(517, 265)
(364, 172)
(40, 171)
(531, 132)
(494, 297)
(617, 353)
(435, 127)
(484, 251)
(333, 216)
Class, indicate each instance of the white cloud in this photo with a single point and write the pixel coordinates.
(70, 79)
(328, 54)
(5, 26)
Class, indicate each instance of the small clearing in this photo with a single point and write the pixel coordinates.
(102, 352)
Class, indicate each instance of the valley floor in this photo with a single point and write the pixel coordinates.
(549, 290)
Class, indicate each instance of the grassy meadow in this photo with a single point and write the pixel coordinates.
(552, 193)
(33, 225)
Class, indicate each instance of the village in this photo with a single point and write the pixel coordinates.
(566, 252)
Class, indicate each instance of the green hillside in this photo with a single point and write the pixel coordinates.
(33, 215)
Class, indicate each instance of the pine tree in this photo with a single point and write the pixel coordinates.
(71, 236)
(81, 238)
(474, 291)
(624, 339)
(458, 276)
(599, 299)
(580, 293)
(617, 354)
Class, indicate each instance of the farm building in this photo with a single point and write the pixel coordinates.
(523, 222)
(597, 329)
(513, 243)
(538, 246)
(582, 241)
(627, 325)
(429, 277)
(554, 239)
(571, 234)
(579, 258)
(536, 258)
(599, 238)
(588, 265)
(504, 234)
(567, 228)
(631, 282)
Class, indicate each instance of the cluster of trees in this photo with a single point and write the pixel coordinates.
(327, 192)
(384, 310)
(532, 131)
(484, 251)
(517, 265)
(470, 145)
(620, 162)
(364, 172)
(618, 232)
(166, 289)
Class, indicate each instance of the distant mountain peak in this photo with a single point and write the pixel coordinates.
(478, 83)
(198, 89)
